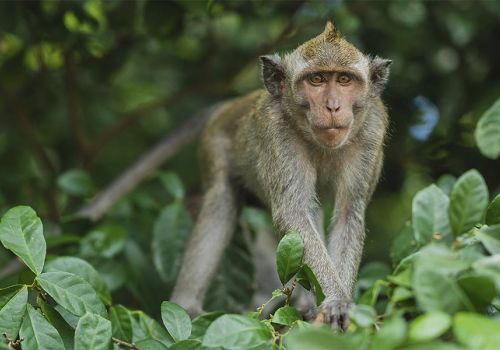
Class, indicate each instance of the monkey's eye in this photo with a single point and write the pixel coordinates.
(317, 79)
(344, 79)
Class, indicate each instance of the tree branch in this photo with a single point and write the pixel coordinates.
(144, 166)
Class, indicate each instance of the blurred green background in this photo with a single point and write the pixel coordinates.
(86, 87)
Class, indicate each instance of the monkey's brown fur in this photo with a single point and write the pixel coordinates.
(293, 145)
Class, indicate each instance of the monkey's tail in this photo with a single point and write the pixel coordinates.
(169, 146)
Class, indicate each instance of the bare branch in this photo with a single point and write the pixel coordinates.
(144, 166)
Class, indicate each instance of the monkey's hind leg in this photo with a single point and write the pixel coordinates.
(211, 235)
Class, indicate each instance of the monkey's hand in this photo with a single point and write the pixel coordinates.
(334, 312)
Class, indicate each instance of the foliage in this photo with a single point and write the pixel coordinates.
(88, 86)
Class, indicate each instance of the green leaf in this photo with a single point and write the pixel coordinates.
(363, 315)
(469, 199)
(446, 183)
(66, 331)
(404, 244)
(176, 320)
(286, 315)
(150, 344)
(487, 132)
(308, 280)
(480, 289)
(189, 344)
(430, 215)
(38, 333)
(391, 335)
(489, 236)
(144, 327)
(172, 184)
(324, 339)
(93, 333)
(121, 322)
(429, 326)
(493, 212)
(289, 256)
(170, 233)
(72, 292)
(237, 332)
(83, 269)
(21, 231)
(437, 291)
(104, 242)
(476, 331)
(201, 323)
(76, 182)
(12, 309)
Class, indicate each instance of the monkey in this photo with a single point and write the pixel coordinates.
(315, 132)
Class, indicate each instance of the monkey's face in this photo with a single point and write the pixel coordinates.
(332, 99)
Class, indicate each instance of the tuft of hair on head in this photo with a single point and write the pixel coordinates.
(331, 33)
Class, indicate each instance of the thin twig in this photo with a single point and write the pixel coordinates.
(120, 342)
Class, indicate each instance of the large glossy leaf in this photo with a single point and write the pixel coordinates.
(121, 321)
(93, 332)
(289, 256)
(12, 309)
(176, 320)
(430, 215)
(171, 230)
(476, 331)
(487, 132)
(237, 332)
(38, 333)
(21, 231)
(363, 315)
(469, 199)
(83, 269)
(72, 292)
(493, 212)
(429, 326)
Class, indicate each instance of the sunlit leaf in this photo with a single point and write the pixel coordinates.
(12, 309)
(176, 320)
(289, 256)
(469, 199)
(21, 231)
(72, 292)
(38, 333)
(237, 332)
(93, 333)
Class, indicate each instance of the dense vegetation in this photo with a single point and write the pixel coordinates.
(87, 87)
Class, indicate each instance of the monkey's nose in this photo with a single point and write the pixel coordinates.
(332, 107)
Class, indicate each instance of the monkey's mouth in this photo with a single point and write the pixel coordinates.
(331, 135)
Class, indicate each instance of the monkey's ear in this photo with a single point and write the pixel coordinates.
(379, 73)
(273, 74)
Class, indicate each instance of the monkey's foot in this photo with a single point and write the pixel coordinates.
(334, 313)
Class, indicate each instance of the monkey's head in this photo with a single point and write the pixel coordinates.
(325, 85)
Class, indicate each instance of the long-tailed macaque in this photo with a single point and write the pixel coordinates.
(316, 132)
